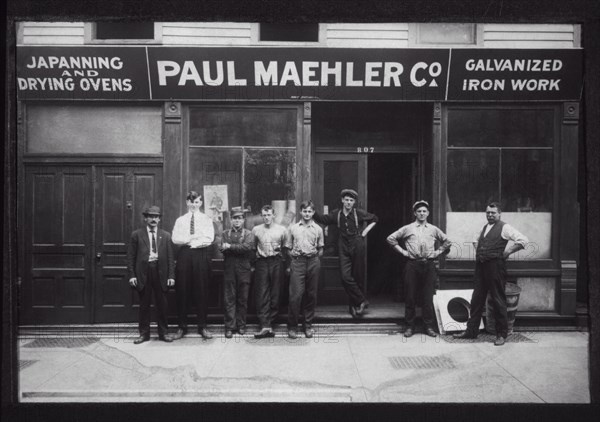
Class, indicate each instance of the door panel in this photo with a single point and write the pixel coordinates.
(122, 193)
(335, 172)
(57, 233)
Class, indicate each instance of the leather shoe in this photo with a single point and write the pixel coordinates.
(309, 332)
(429, 331)
(228, 334)
(141, 339)
(353, 311)
(241, 331)
(264, 333)
(179, 334)
(292, 334)
(166, 338)
(499, 341)
(408, 332)
(465, 335)
(205, 334)
(362, 308)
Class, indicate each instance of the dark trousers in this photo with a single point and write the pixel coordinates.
(490, 276)
(267, 283)
(419, 277)
(304, 281)
(352, 267)
(236, 285)
(151, 287)
(193, 273)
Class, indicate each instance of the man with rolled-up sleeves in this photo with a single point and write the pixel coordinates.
(490, 272)
(420, 238)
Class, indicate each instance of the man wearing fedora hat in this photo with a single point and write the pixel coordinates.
(237, 246)
(351, 222)
(420, 239)
(151, 269)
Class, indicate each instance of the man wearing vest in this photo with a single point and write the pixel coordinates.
(351, 247)
(420, 240)
(490, 273)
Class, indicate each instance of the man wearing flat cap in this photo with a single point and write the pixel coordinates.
(351, 223)
(237, 246)
(423, 242)
(151, 269)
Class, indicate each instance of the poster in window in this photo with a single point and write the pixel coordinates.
(215, 197)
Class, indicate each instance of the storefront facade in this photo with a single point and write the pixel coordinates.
(107, 130)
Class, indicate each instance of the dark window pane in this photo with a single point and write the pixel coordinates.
(527, 180)
(500, 128)
(289, 32)
(472, 179)
(243, 127)
(124, 31)
(217, 167)
(270, 175)
(370, 124)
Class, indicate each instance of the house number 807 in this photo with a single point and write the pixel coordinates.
(366, 150)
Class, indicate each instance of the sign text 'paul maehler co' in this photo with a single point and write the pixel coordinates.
(307, 73)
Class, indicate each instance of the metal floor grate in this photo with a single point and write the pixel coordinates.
(280, 341)
(422, 362)
(488, 338)
(26, 363)
(67, 342)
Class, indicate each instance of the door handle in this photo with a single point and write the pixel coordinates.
(98, 256)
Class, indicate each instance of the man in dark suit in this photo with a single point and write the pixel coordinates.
(151, 270)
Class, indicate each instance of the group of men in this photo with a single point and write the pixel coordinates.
(272, 249)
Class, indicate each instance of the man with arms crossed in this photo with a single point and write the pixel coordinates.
(490, 272)
(195, 233)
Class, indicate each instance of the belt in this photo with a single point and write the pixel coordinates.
(304, 256)
(153, 262)
(421, 259)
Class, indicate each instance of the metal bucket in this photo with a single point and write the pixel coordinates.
(513, 293)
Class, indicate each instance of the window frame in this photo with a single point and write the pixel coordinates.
(255, 38)
(547, 263)
(89, 31)
(297, 148)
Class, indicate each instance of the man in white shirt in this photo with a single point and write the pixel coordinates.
(194, 232)
(490, 272)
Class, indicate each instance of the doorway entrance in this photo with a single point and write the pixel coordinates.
(391, 187)
(387, 186)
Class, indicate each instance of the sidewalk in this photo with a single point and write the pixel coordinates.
(337, 365)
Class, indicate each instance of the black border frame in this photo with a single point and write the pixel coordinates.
(585, 12)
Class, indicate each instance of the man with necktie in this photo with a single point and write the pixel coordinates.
(420, 238)
(194, 232)
(151, 269)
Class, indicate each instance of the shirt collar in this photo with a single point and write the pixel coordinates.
(310, 223)
(148, 229)
(237, 230)
(425, 224)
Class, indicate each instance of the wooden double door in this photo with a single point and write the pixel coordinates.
(76, 223)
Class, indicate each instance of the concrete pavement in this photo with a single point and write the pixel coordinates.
(337, 365)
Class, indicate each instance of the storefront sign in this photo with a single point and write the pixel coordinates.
(191, 73)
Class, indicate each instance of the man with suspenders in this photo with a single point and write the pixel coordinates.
(351, 244)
